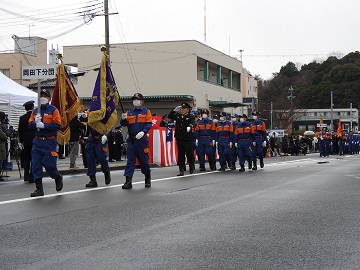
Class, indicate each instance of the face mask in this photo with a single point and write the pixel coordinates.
(255, 117)
(44, 101)
(204, 116)
(215, 121)
(222, 119)
(233, 119)
(137, 103)
(242, 120)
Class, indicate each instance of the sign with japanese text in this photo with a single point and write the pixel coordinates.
(39, 72)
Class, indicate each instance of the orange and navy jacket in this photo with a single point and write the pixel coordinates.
(244, 132)
(343, 137)
(224, 130)
(260, 129)
(205, 129)
(137, 120)
(51, 119)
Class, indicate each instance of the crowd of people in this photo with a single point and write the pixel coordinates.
(225, 138)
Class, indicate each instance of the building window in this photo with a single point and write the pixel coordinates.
(311, 127)
(6, 72)
(302, 127)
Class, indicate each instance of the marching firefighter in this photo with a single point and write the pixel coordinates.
(233, 154)
(184, 136)
(96, 151)
(139, 121)
(260, 140)
(243, 138)
(205, 140)
(44, 153)
(224, 138)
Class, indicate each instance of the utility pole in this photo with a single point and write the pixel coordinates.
(241, 55)
(332, 119)
(204, 21)
(271, 115)
(350, 116)
(291, 97)
(107, 42)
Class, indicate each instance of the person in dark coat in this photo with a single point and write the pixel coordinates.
(75, 131)
(184, 123)
(26, 137)
(83, 137)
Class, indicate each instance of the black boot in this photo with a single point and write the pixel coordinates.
(128, 184)
(261, 163)
(202, 168)
(92, 182)
(59, 182)
(254, 168)
(232, 167)
(191, 168)
(222, 169)
(213, 166)
(242, 168)
(39, 189)
(107, 178)
(148, 180)
(249, 164)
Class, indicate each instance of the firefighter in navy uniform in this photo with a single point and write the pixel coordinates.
(26, 137)
(139, 121)
(184, 123)
(44, 152)
(96, 151)
(260, 140)
(224, 138)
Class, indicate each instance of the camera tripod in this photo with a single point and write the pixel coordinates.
(12, 152)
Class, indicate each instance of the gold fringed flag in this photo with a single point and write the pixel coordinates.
(105, 98)
(339, 128)
(66, 100)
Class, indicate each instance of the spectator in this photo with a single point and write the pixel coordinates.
(75, 130)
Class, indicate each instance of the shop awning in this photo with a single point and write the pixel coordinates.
(226, 104)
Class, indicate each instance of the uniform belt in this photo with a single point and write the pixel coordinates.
(205, 136)
(224, 137)
(258, 136)
(45, 138)
(244, 139)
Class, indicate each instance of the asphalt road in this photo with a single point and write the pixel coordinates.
(296, 213)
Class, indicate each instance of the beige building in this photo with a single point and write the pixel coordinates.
(166, 73)
(28, 51)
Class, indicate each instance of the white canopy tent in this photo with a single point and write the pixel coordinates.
(12, 98)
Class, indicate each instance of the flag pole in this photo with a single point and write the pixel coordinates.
(103, 49)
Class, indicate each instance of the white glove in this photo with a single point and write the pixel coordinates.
(21, 146)
(197, 142)
(254, 143)
(140, 135)
(236, 144)
(230, 144)
(103, 139)
(188, 129)
(264, 144)
(37, 118)
(213, 142)
(39, 125)
(216, 144)
(177, 108)
(84, 115)
(123, 116)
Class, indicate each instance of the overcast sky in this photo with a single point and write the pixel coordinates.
(270, 32)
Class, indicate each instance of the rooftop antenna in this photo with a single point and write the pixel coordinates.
(205, 21)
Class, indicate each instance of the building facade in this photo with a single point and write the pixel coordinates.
(166, 73)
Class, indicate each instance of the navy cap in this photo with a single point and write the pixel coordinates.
(244, 116)
(205, 111)
(138, 96)
(46, 92)
(185, 105)
(256, 113)
(29, 103)
(223, 114)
